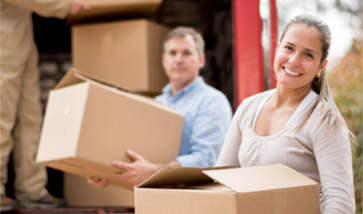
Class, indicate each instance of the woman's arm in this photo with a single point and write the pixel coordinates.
(332, 150)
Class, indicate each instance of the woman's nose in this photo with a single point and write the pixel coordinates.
(294, 60)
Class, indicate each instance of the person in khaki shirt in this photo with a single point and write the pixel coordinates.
(20, 108)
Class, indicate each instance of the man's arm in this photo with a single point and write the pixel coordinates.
(208, 130)
(138, 170)
(135, 172)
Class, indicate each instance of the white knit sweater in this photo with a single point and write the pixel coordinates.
(318, 149)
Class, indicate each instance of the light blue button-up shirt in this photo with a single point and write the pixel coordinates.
(207, 115)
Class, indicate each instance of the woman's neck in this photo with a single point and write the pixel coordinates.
(289, 97)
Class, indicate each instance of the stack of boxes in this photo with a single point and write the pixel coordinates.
(91, 120)
(125, 54)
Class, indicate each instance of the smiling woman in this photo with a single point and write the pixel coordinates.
(297, 124)
(298, 57)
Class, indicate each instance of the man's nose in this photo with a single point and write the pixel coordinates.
(178, 57)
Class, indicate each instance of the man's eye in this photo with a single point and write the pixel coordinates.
(173, 53)
(187, 53)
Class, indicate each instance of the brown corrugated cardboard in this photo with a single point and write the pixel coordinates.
(125, 54)
(79, 193)
(87, 125)
(103, 9)
(273, 189)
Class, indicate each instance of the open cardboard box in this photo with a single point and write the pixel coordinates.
(87, 125)
(79, 193)
(272, 189)
(125, 54)
(106, 9)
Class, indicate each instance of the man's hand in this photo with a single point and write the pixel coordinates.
(134, 172)
(137, 171)
(98, 182)
(77, 6)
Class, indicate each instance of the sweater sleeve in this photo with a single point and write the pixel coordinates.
(46, 8)
(333, 155)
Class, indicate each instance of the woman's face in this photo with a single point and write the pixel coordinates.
(298, 57)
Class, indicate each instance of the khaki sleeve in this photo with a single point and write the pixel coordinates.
(46, 8)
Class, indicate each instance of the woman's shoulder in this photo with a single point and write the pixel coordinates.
(327, 115)
(250, 104)
(256, 98)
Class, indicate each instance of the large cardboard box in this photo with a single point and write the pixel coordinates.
(103, 9)
(87, 125)
(272, 189)
(125, 54)
(79, 193)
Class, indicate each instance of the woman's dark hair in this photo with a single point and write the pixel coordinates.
(318, 84)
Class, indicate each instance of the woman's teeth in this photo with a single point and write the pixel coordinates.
(291, 72)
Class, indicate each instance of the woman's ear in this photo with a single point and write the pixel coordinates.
(322, 65)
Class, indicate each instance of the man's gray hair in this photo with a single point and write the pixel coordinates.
(180, 32)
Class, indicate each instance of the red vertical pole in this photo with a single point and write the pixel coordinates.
(247, 30)
(273, 42)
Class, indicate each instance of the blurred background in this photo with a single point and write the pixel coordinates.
(213, 18)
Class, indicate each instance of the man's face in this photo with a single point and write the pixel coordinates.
(181, 61)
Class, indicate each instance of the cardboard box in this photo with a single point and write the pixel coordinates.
(79, 193)
(103, 9)
(125, 54)
(87, 125)
(273, 189)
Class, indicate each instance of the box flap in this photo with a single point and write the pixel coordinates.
(74, 76)
(180, 177)
(259, 178)
(103, 10)
(123, 3)
(70, 78)
(176, 177)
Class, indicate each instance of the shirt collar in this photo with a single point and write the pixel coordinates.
(198, 81)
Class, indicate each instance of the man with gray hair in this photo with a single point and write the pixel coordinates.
(206, 110)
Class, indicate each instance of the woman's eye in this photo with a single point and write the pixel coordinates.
(288, 48)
